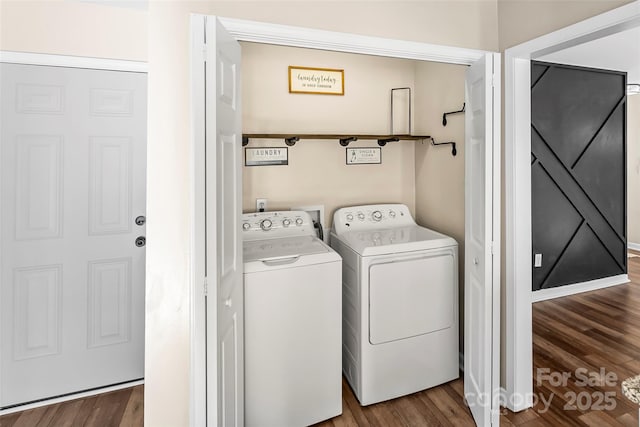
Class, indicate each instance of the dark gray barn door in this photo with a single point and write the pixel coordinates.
(578, 174)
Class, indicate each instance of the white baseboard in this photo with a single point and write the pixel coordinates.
(576, 288)
(68, 397)
(634, 246)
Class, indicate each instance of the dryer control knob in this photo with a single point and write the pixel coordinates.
(299, 221)
(266, 224)
(246, 226)
(286, 223)
(349, 217)
(360, 216)
(392, 214)
(376, 215)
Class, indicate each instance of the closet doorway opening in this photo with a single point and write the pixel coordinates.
(224, 332)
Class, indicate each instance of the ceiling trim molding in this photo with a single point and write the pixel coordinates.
(283, 35)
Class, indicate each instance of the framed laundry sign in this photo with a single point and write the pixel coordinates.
(318, 81)
(266, 156)
(364, 156)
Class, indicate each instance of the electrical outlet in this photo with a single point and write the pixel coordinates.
(261, 205)
(537, 261)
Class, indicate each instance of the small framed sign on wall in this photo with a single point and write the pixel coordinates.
(317, 81)
(364, 156)
(267, 156)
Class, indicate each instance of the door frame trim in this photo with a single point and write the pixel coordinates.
(52, 60)
(517, 151)
(284, 35)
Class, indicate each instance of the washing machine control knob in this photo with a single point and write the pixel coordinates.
(299, 221)
(360, 216)
(286, 223)
(246, 226)
(266, 224)
(349, 217)
(392, 214)
(376, 215)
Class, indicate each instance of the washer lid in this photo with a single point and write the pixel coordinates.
(282, 252)
(395, 240)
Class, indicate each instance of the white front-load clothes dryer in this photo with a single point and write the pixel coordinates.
(400, 302)
(293, 306)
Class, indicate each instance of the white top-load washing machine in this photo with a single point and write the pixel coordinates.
(293, 311)
(400, 302)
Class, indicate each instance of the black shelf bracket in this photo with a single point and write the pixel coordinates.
(382, 142)
(346, 141)
(245, 141)
(291, 141)
(444, 116)
(453, 145)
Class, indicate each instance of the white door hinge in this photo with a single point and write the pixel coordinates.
(491, 248)
(205, 287)
(204, 52)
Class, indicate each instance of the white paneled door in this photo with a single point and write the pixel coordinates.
(481, 293)
(225, 296)
(72, 182)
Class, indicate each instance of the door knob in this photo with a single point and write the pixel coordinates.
(141, 220)
(141, 241)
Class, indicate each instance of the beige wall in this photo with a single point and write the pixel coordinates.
(464, 23)
(317, 173)
(439, 176)
(168, 317)
(73, 28)
(633, 168)
(523, 20)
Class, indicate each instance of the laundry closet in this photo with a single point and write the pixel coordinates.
(428, 179)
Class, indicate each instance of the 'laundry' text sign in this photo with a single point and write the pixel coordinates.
(266, 156)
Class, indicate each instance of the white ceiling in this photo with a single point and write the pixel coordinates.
(619, 52)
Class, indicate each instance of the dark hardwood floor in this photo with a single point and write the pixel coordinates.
(117, 408)
(593, 338)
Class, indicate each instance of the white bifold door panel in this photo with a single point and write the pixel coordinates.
(225, 296)
(481, 315)
(73, 156)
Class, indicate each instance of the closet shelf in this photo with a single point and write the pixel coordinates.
(345, 139)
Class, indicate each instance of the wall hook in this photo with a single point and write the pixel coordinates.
(345, 141)
(383, 142)
(444, 116)
(291, 141)
(454, 151)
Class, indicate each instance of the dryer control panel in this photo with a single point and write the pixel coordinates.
(371, 217)
(271, 225)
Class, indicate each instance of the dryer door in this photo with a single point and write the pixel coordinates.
(412, 296)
